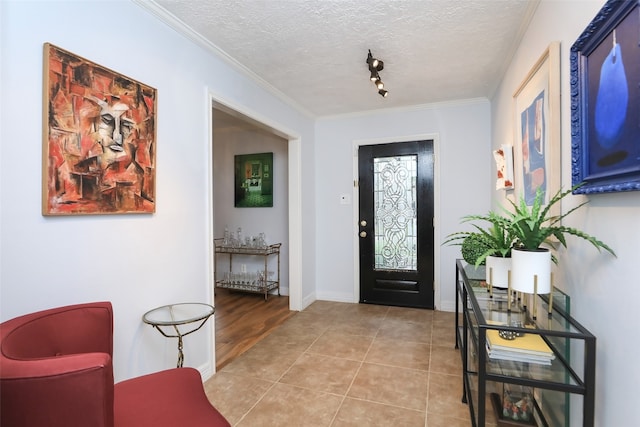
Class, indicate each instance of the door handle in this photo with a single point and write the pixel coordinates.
(363, 234)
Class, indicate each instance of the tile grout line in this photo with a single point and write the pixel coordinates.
(426, 405)
(280, 377)
(359, 368)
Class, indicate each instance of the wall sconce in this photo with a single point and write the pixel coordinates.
(375, 66)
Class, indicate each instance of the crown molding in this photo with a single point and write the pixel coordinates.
(172, 21)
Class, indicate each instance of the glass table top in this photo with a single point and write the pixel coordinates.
(178, 314)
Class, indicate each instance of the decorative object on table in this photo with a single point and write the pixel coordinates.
(253, 180)
(231, 240)
(533, 227)
(179, 320)
(99, 139)
(522, 233)
(537, 130)
(498, 271)
(515, 407)
(504, 167)
(530, 348)
(496, 240)
(605, 124)
(473, 246)
(497, 237)
(511, 334)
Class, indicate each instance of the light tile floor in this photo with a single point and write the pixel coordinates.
(340, 364)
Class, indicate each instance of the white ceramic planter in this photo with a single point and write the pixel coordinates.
(498, 271)
(525, 265)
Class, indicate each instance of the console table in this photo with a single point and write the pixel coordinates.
(183, 319)
(547, 386)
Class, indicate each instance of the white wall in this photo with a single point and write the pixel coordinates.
(462, 185)
(604, 290)
(274, 221)
(136, 261)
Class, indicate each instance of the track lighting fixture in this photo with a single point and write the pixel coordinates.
(375, 66)
(374, 63)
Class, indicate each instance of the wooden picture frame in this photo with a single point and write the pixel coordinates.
(253, 180)
(605, 102)
(99, 139)
(537, 130)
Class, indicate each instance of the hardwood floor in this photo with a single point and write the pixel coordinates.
(243, 319)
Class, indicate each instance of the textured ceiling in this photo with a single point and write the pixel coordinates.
(312, 53)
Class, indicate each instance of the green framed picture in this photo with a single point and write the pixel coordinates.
(253, 180)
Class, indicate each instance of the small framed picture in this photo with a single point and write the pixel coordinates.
(253, 180)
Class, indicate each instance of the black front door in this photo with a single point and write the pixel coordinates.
(396, 223)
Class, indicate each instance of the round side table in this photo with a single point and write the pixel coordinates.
(179, 320)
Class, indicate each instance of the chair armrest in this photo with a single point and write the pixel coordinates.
(56, 368)
(65, 391)
(81, 328)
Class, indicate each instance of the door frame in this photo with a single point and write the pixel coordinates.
(436, 207)
(294, 191)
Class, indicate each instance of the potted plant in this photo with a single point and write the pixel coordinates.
(473, 246)
(534, 227)
(494, 244)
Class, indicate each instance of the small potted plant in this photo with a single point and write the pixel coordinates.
(534, 226)
(495, 242)
(473, 247)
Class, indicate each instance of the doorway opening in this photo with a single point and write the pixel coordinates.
(229, 114)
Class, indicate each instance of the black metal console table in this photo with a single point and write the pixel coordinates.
(548, 386)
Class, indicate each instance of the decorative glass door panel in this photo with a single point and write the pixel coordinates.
(395, 214)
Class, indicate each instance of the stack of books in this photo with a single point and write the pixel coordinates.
(529, 348)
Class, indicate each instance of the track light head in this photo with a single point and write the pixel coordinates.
(376, 65)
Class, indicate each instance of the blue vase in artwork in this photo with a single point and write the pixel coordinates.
(612, 99)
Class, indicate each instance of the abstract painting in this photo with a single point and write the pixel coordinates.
(99, 139)
(537, 130)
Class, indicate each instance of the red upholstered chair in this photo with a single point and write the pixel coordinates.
(56, 370)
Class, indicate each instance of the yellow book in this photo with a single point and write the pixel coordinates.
(528, 343)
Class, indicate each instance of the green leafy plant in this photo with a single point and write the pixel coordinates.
(534, 226)
(473, 247)
(497, 237)
(524, 227)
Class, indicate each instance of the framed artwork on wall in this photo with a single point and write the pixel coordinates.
(99, 139)
(537, 130)
(605, 101)
(253, 180)
(504, 167)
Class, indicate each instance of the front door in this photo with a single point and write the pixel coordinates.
(395, 226)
